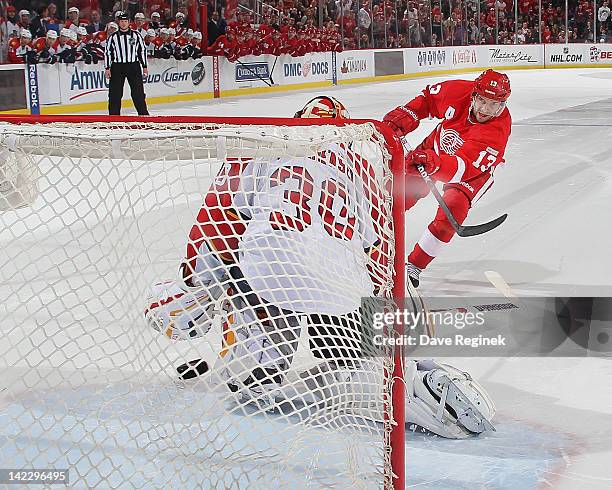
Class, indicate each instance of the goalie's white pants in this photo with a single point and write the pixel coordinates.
(265, 337)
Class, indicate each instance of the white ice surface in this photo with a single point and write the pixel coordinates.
(555, 414)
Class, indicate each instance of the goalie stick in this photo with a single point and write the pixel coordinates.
(461, 230)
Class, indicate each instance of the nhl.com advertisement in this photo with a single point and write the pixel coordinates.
(583, 54)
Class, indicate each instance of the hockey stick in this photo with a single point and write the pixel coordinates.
(500, 284)
(461, 230)
(272, 70)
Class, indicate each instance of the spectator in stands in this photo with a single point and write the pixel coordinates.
(364, 21)
(216, 27)
(3, 39)
(12, 22)
(166, 16)
(95, 24)
(603, 14)
(132, 7)
(603, 36)
(38, 26)
(436, 26)
(53, 23)
(364, 41)
(20, 5)
(72, 22)
(473, 32)
(547, 36)
(589, 32)
(414, 27)
(531, 37)
(24, 22)
(348, 23)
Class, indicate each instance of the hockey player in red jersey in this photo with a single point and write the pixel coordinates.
(273, 253)
(266, 257)
(462, 151)
(225, 45)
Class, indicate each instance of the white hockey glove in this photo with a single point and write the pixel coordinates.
(183, 312)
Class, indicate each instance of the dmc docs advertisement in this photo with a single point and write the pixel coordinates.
(314, 67)
(80, 83)
(582, 54)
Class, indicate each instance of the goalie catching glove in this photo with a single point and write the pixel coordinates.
(185, 312)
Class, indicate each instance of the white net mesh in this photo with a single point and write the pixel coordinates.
(280, 232)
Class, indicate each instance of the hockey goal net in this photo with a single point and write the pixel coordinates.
(94, 211)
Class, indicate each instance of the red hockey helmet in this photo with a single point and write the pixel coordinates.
(493, 85)
(323, 106)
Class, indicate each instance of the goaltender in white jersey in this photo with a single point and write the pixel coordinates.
(304, 271)
(274, 245)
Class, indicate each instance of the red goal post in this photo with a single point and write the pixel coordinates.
(75, 129)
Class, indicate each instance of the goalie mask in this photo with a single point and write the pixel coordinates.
(323, 107)
(491, 91)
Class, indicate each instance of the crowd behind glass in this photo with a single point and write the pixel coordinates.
(37, 31)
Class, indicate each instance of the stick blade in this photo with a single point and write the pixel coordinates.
(496, 279)
(483, 228)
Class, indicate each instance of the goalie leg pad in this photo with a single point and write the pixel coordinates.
(458, 405)
(266, 340)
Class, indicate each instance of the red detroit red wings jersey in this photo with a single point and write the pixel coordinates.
(468, 151)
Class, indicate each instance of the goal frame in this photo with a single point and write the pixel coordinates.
(397, 167)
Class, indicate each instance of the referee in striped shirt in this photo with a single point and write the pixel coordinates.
(124, 56)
